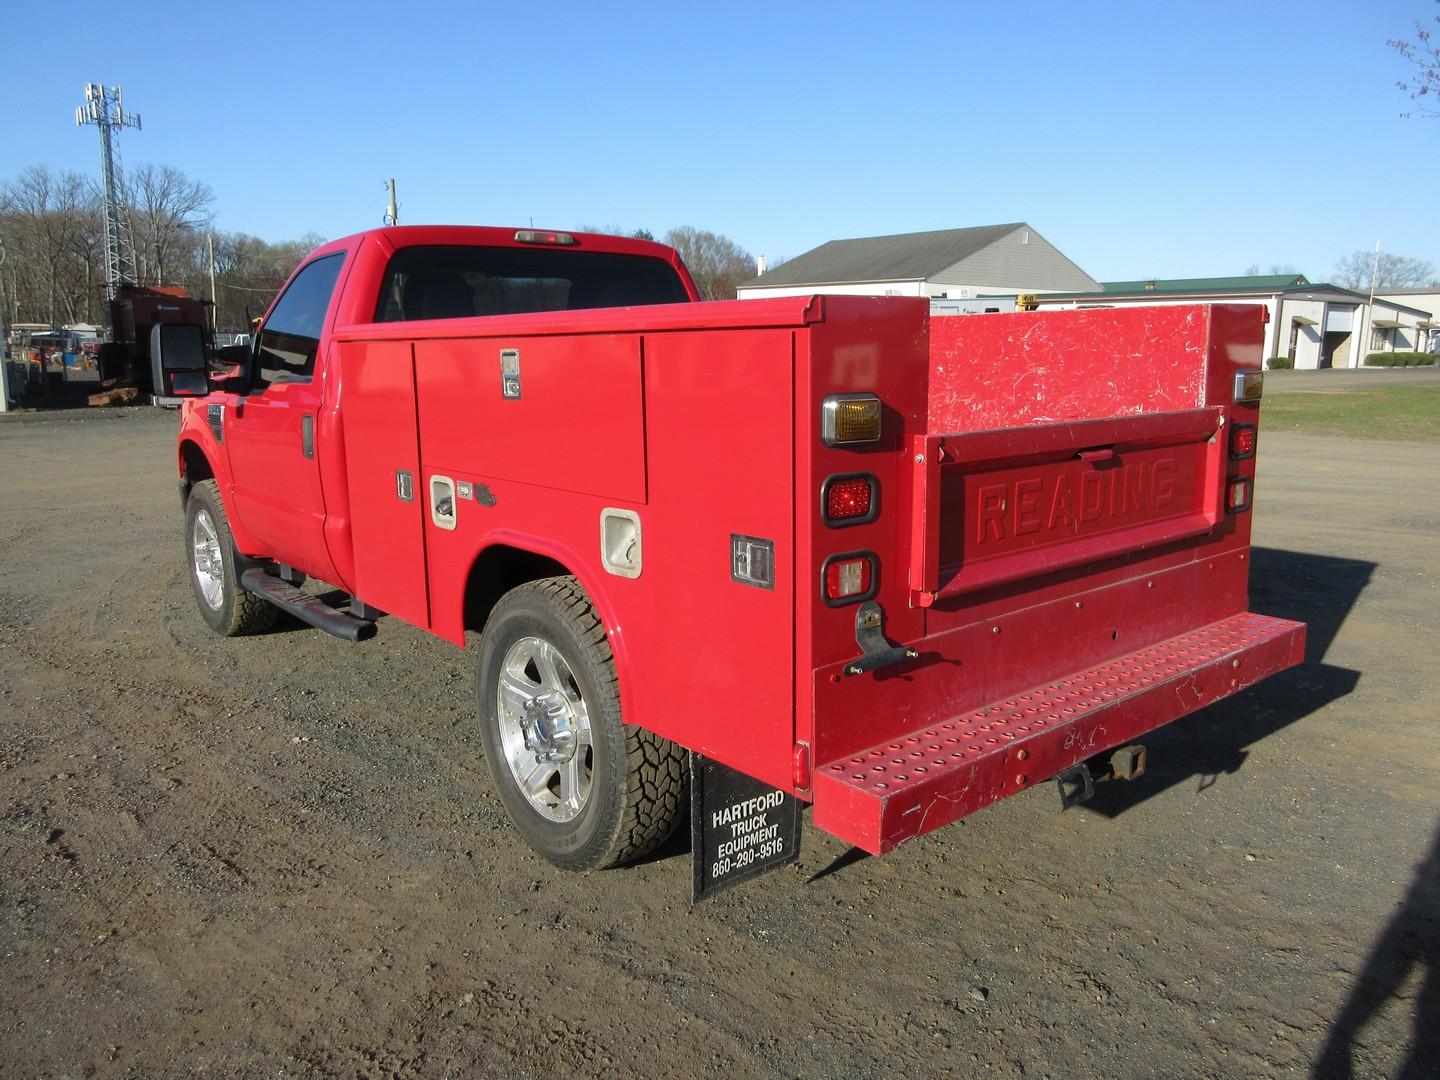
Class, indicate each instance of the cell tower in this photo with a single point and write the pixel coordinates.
(103, 108)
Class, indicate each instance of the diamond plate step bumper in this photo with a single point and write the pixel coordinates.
(914, 784)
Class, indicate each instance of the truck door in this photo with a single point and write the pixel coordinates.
(271, 431)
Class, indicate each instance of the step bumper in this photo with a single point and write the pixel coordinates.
(914, 784)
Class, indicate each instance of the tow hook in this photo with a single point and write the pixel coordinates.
(877, 652)
(1077, 783)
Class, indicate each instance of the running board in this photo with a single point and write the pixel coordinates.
(307, 608)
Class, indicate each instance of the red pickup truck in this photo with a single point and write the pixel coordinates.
(821, 550)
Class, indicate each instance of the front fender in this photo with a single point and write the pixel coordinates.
(200, 455)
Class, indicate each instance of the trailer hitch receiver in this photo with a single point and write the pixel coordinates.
(1076, 785)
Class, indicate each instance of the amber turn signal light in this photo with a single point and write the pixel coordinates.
(848, 419)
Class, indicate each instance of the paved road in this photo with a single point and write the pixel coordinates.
(281, 856)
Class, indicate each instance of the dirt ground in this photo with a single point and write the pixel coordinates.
(281, 856)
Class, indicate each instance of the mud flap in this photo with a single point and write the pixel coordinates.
(740, 828)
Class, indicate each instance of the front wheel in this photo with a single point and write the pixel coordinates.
(583, 789)
(226, 607)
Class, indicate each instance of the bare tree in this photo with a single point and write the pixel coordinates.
(1394, 271)
(50, 224)
(249, 272)
(717, 263)
(1424, 54)
(168, 214)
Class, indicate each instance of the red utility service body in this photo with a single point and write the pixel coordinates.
(1050, 527)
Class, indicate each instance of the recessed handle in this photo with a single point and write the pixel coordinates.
(1097, 455)
(442, 502)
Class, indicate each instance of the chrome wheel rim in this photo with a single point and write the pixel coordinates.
(207, 560)
(545, 729)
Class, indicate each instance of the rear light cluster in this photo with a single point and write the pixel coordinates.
(850, 500)
(849, 578)
(850, 420)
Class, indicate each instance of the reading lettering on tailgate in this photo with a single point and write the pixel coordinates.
(1086, 504)
(1066, 503)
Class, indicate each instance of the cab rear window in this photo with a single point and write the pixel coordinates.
(459, 282)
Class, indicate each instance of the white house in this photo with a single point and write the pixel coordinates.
(953, 264)
(1316, 326)
(1428, 337)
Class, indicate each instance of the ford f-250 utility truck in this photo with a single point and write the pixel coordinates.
(843, 553)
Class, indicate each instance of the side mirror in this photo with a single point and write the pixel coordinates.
(178, 363)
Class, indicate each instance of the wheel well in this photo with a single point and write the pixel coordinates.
(498, 570)
(196, 468)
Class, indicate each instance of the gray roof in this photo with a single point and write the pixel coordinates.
(903, 257)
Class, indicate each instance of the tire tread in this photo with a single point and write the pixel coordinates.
(657, 791)
(249, 614)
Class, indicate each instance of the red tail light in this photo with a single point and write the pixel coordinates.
(1237, 495)
(1242, 442)
(850, 500)
(849, 578)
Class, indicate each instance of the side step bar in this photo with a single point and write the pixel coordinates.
(310, 609)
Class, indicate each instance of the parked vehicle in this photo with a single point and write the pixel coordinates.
(134, 313)
(893, 566)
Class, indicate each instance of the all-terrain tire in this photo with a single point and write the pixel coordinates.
(638, 789)
(226, 607)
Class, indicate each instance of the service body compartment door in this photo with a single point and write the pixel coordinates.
(559, 412)
(718, 653)
(382, 461)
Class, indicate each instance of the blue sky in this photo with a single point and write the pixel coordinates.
(1144, 140)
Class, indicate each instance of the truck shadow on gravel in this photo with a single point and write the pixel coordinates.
(1411, 939)
(1318, 590)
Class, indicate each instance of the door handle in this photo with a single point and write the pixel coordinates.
(442, 501)
(307, 435)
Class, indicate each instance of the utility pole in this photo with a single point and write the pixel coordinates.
(103, 108)
(214, 299)
(4, 347)
(392, 215)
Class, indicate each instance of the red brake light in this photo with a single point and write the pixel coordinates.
(850, 500)
(536, 236)
(1242, 442)
(849, 577)
(1237, 495)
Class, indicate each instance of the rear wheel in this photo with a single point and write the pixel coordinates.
(584, 790)
(226, 607)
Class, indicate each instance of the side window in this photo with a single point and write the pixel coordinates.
(290, 337)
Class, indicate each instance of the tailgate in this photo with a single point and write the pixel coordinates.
(995, 507)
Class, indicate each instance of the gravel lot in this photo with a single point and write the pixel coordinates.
(281, 856)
